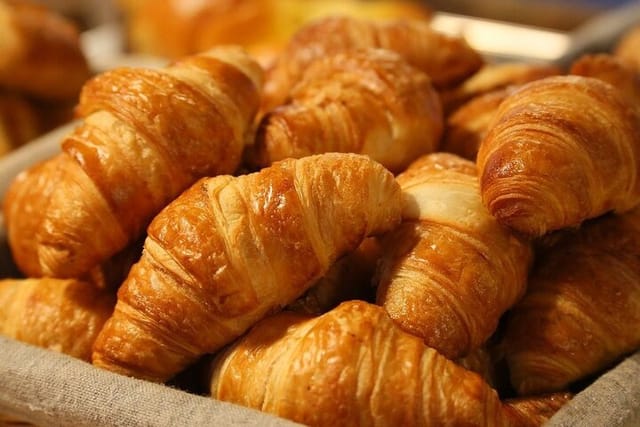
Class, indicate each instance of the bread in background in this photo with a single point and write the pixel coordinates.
(447, 60)
(628, 47)
(171, 28)
(42, 69)
(367, 101)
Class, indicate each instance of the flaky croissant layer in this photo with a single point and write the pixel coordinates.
(230, 250)
(559, 151)
(147, 135)
(582, 311)
(350, 367)
(446, 60)
(449, 271)
(366, 101)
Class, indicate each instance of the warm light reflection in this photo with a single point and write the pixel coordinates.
(504, 40)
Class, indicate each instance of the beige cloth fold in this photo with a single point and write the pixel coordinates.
(51, 389)
(613, 400)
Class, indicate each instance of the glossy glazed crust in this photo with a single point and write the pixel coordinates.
(449, 270)
(41, 52)
(560, 150)
(230, 250)
(350, 367)
(365, 101)
(447, 60)
(60, 315)
(582, 310)
(146, 136)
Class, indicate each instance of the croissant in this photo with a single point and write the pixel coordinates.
(560, 150)
(582, 310)
(40, 52)
(449, 271)
(350, 367)
(628, 46)
(147, 135)
(535, 411)
(63, 315)
(612, 70)
(167, 28)
(492, 77)
(229, 250)
(446, 59)
(466, 127)
(367, 101)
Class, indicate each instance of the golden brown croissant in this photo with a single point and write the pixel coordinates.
(612, 70)
(535, 411)
(230, 250)
(63, 315)
(467, 126)
(40, 51)
(560, 150)
(449, 271)
(366, 101)
(350, 367)
(492, 77)
(446, 59)
(582, 310)
(147, 135)
(628, 47)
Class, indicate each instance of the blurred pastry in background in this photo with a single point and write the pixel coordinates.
(42, 69)
(172, 28)
(493, 76)
(466, 127)
(628, 47)
(615, 70)
(447, 60)
(40, 52)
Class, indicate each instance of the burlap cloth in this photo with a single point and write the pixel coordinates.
(50, 389)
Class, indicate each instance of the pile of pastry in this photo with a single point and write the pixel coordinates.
(42, 69)
(380, 228)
